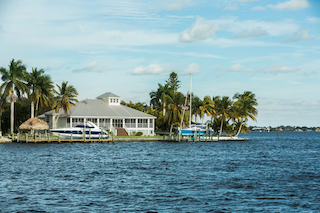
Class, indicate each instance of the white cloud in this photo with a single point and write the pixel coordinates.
(255, 32)
(200, 30)
(203, 29)
(92, 67)
(291, 5)
(276, 28)
(235, 67)
(301, 34)
(239, 68)
(231, 8)
(279, 68)
(258, 8)
(191, 69)
(175, 4)
(313, 19)
(152, 69)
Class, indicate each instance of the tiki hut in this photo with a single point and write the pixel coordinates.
(34, 124)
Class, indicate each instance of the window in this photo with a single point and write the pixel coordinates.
(93, 120)
(151, 123)
(110, 100)
(130, 123)
(118, 123)
(104, 122)
(74, 122)
(142, 123)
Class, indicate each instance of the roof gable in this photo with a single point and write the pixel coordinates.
(108, 95)
(99, 109)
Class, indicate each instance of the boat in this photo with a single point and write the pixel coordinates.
(89, 130)
(193, 128)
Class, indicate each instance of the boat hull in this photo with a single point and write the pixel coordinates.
(80, 136)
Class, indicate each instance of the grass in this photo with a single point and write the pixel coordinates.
(138, 136)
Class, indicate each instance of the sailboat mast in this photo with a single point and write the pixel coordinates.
(190, 99)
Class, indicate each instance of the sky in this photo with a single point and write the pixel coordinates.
(127, 47)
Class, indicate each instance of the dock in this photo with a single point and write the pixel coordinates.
(49, 139)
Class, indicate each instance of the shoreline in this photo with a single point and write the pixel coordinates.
(129, 139)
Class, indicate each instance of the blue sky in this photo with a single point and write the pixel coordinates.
(270, 47)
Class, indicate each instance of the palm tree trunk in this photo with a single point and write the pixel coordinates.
(164, 109)
(0, 120)
(32, 109)
(171, 129)
(37, 106)
(221, 125)
(12, 115)
(56, 121)
(239, 128)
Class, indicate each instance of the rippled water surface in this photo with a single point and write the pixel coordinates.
(265, 174)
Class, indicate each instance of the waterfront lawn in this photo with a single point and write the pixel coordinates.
(138, 136)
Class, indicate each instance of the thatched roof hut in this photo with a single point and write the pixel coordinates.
(34, 123)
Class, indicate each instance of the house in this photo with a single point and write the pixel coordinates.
(106, 112)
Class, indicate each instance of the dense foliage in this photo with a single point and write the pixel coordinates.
(171, 107)
(226, 115)
(37, 87)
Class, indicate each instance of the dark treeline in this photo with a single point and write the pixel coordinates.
(226, 115)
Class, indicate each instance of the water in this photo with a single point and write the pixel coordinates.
(265, 174)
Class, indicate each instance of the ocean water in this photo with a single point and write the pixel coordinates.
(268, 173)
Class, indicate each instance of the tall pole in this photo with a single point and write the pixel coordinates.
(190, 99)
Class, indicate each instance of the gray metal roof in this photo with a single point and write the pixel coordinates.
(108, 95)
(100, 109)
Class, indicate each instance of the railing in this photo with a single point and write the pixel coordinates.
(127, 130)
(113, 130)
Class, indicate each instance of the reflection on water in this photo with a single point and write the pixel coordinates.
(266, 174)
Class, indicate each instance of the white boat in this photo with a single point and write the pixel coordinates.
(193, 128)
(89, 129)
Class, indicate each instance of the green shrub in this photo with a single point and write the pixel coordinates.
(139, 133)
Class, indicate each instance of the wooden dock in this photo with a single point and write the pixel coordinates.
(62, 140)
(19, 138)
(25, 138)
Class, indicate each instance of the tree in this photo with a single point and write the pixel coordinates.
(196, 103)
(2, 105)
(13, 82)
(159, 97)
(173, 82)
(246, 103)
(175, 101)
(206, 107)
(223, 108)
(64, 99)
(40, 86)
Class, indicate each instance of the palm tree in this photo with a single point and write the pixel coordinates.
(45, 93)
(40, 86)
(13, 82)
(175, 101)
(159, 97)
(223, 108)
(2, 103)
(207, 107)
(196, 103)
(65, 98)
(246, 107)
